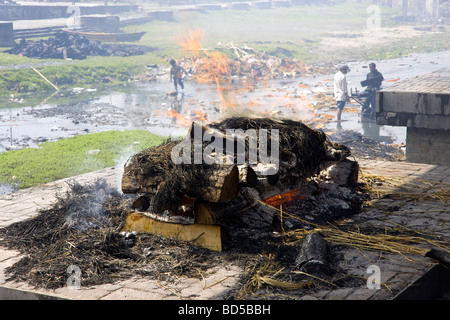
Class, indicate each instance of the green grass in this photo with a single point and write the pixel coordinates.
(72, 156)
(94, 71)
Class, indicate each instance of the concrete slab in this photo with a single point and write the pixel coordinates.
(422, 104)
(397, 271)
(419, 102)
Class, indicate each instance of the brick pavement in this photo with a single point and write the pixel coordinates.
(396, 272)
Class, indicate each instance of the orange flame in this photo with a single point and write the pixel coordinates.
(182, 120)
(193, 41)
(209, 67)
(200, 115)
(289, 196)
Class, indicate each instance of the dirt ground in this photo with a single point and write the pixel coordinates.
(365, 38)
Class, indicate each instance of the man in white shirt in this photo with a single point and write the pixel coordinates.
(340, 90)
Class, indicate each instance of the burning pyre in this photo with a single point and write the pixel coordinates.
(313, 173)
(84, 227)
(208, 66)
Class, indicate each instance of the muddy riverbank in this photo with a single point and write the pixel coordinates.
(150, 106)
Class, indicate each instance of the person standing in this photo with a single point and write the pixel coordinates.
(373, 80)
(340, 90)
(176, 74)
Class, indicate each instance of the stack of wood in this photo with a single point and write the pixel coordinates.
(194, 192)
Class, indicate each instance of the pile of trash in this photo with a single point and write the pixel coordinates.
(73, 46)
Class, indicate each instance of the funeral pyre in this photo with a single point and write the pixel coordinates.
(315, 181)
(214, 176)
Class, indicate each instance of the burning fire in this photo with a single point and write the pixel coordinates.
(211, 67)
(193, 41)
(181, 120)
(214, 67)
(281, 199)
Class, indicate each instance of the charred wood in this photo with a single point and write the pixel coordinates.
(313, 255)
(439, 255)
(247, 176)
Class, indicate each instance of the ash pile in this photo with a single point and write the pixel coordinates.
(314, 179)
(73, 46)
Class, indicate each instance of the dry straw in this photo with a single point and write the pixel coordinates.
(401, 189)
(403, 245)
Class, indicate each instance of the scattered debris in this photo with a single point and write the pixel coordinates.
(217, 67)
(365, 147)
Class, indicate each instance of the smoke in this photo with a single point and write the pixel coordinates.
(120, 162)
(85, 206)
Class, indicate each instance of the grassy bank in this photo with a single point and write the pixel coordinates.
(96, 71)
(72, 156)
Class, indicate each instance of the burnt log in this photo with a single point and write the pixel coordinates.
(152, 172)
(439, 255)
(313, 255)
(222, 213)
(247, 176)
(222, 184)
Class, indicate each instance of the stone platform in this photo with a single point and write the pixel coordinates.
(422, 104)
(399, 273)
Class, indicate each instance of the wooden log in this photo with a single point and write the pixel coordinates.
(439, 255)
(247, 176)
(312, 258)
(204, 213)
(223, 184)
(131, 185)
(202, 235)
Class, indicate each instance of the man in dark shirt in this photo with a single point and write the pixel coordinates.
(373, 83)
(176, 73)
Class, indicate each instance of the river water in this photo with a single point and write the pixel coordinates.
(148, 106)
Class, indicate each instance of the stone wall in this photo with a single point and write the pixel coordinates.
(421, 102)
(6, 34)
(108, 24)
(33, 12)
(428, 146)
